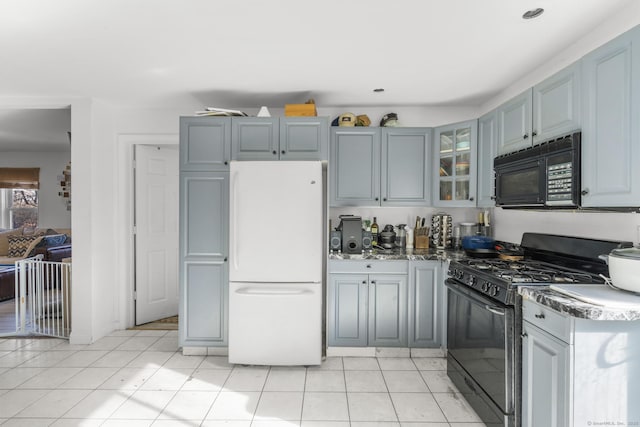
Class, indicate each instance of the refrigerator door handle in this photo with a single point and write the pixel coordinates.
(234, 231)
(273, 291)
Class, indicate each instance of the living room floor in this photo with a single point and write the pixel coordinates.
(139, 378)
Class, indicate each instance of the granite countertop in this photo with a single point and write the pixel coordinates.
(430, 254)
(575, 308)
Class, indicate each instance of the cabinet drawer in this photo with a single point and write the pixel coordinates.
(369, 266)
(548, 320)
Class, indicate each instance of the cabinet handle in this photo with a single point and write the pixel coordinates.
(525, 136)
(368, 265)
(226, 163)
(384, 199)
(377, 199)
(539, 316)
(534, 133)
(373, 282)
(585, 192)
(471, 199)
(524, 335)
(275, 152)
(225, 259)
(282, 152)
(493, 197)
(364, 282)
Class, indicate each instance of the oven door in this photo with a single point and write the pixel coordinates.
(521, 183)
(480, 337)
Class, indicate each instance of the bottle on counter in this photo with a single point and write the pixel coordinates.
(374, 231)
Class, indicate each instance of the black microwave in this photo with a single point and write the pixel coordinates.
(546, 175)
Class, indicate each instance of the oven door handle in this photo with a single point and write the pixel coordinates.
(495, 310)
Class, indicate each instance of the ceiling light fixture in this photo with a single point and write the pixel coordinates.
(533, 13)
(378, 90)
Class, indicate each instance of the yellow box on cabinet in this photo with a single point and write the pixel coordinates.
(307, 110)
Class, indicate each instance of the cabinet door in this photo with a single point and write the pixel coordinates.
(487, 146)
(347, 322)
(611, 129)
(205, 143)
(255, 138)
(556, 104)
(304, 138)
(424, 307)
(514, 123)
(204, 306)
(204, 217)
(545, 379)
(355, 167)
(405, 169)
(387, 310)
(455, 164)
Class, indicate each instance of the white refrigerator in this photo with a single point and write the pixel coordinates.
(276, 248)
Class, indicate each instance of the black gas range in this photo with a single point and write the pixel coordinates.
(484, 315)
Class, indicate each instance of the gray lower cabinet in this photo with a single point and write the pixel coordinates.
(205, 143)
(380, 166)
(279, 138)
(424, 307)
(578, 372)
(367, 303)
(204, 217)
(611, 128)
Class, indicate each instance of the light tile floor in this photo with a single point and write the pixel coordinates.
(140, 378)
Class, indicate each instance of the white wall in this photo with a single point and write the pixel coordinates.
(52, 209)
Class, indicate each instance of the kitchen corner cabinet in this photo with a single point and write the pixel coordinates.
(279, 138)
(455, 164)
(380, 166)
(367, 303)
(549, 109)
(424, 304)
(487, 147)
(204, 216)
(611, 128)
(205, 143)
(578, 372)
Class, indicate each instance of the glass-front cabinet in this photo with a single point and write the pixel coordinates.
(455, 157)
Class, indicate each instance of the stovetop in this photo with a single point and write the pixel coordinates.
(548, 259)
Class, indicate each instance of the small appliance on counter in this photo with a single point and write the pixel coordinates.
(351, 228)
(387, 237)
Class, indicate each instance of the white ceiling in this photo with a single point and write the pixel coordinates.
(163, 53)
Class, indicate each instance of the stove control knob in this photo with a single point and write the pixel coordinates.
(494, 291)
(459, 274)
(485, 287)
(472, 281)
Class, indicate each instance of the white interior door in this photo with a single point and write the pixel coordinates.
(156, 237)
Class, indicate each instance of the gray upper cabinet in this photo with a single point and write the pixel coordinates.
(406, 156)
(354, 166)
(284, 138)
(255, 138)
(487, 147)
(380, 166)
(550, 109)
(424, 304)
(205, 143)
(455, 164)
(304, 138)
(514, 123)
(556, 104)
(611, 127)
(204, 218)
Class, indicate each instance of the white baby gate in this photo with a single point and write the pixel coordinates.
(43, 303)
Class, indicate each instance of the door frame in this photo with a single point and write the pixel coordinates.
(126, 209)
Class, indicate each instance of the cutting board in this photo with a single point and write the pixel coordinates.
(601, 295)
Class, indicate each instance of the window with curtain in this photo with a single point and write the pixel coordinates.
(19, 197)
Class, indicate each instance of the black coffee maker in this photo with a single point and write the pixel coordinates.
(351, 228)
